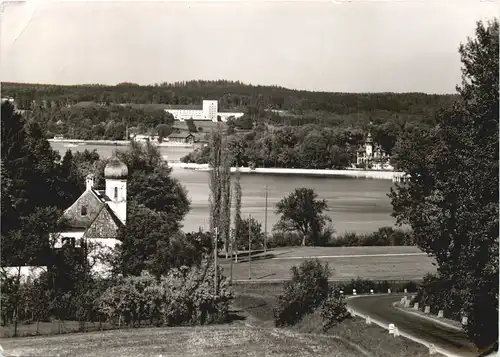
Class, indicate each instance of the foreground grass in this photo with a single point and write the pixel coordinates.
(252, 335)
(227, 340)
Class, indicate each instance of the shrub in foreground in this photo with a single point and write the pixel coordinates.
(284, 239)
(305, 291)
(385, 236)
(184, 296)
(333, 309)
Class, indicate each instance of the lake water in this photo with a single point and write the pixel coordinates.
(355, 204)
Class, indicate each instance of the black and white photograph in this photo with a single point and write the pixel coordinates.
(249, 178)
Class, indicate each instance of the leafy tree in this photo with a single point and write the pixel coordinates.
(191, 126)
(243, 231)
(164, 130)
(159, 191)
(74, 183)
(84, 163)
(17, 168)
(451, 198)
(145, 231)
(302, 211)
(304, 292)
(144, 158)
(181, 250)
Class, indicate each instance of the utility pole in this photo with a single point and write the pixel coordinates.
(231, 266)
(249, 247)
(215, 258)
(265, 225)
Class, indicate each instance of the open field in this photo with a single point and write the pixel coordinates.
(346, 263)
(227, 340)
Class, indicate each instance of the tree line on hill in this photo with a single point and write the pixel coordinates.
(231, 95)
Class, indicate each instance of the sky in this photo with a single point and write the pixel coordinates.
(335, 46)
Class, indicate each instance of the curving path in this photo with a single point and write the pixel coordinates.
(380, 308)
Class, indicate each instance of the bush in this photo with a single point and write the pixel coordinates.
(322, 238)
(363, 286)
(303, 293)
(242, 235)
(348, 239)
(333, 309)
(437, 293)
(284, 239)
(184, 296)
(385, 236)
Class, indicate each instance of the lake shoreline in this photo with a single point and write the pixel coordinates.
(115, 142)
(381, 175)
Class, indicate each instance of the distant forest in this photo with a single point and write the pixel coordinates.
(104, 112)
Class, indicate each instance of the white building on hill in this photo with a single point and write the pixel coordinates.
(208, 111)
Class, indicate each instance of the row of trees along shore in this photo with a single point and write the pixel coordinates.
(327, 126)
(450, 202)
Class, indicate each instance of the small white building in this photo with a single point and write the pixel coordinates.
(208, 111)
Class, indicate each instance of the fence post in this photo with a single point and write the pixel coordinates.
(415, 306)
(391, 329)
(432, 349)
(427, 310)
(440, 314)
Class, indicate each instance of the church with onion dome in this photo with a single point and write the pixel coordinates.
(97, 215)
(371, 156)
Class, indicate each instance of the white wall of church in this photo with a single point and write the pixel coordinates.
(61, 237)
(116, 190)
(369, 149)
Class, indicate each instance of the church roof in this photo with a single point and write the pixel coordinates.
(98, 215)
(115, 169)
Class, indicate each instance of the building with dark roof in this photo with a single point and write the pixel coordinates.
(97, 215)
(181, 138)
